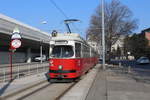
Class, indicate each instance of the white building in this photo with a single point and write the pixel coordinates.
(119, 43)
(94, 45)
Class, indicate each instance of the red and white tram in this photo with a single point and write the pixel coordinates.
(70, 56)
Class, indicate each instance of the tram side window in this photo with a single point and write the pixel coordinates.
(86, 51)
(78, 49)
(93, 53)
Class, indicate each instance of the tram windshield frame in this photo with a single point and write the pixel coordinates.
(62, 51)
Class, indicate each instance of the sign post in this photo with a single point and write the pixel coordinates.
(14, 44)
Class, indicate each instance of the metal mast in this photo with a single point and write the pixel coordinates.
(103, 33)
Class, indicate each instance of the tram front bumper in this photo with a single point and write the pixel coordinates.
(62, 74)
(62, 71)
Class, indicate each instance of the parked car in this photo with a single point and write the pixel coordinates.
(143, 60)
(39, 58)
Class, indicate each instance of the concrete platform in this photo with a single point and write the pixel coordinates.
(80, 90)
(109, 85)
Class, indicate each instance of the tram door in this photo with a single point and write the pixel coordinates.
(78, 57)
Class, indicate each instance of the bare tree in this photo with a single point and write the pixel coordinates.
(118, 21)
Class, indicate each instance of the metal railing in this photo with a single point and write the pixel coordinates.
(22, 70)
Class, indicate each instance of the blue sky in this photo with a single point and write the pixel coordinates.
(33, 12)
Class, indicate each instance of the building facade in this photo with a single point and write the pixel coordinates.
(146, 32)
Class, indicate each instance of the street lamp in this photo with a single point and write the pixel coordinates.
(44, 22)
(41, 43)
(41, 50)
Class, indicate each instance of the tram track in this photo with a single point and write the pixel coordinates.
(43, 91)
(61, 95)
(18, 95)
(39, 89)
(60, 90)
(33, 91)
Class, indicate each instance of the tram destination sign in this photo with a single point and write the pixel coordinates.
(61, 42)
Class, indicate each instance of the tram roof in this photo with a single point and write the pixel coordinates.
(68, 36)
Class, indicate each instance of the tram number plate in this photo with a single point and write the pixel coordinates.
(60, 76)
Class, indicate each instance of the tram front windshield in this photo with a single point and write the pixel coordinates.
(62, 51)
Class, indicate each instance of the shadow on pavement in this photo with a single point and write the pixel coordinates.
(3, 89)
(141, 75)
(138, 74)
(47, 76)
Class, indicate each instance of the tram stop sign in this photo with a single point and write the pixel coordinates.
(15, 39)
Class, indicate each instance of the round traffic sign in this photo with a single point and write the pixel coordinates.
(15, 43)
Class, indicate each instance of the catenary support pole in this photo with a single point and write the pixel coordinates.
(103, 33)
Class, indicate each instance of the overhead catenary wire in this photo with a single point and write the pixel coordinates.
(60, 10)
(64, 14)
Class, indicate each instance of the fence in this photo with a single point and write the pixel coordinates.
(22, 70)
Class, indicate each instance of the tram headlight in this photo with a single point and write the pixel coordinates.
(60, 67)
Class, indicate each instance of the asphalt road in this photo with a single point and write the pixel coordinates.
(132, 63)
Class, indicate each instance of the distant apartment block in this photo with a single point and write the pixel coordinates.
(147, 34)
